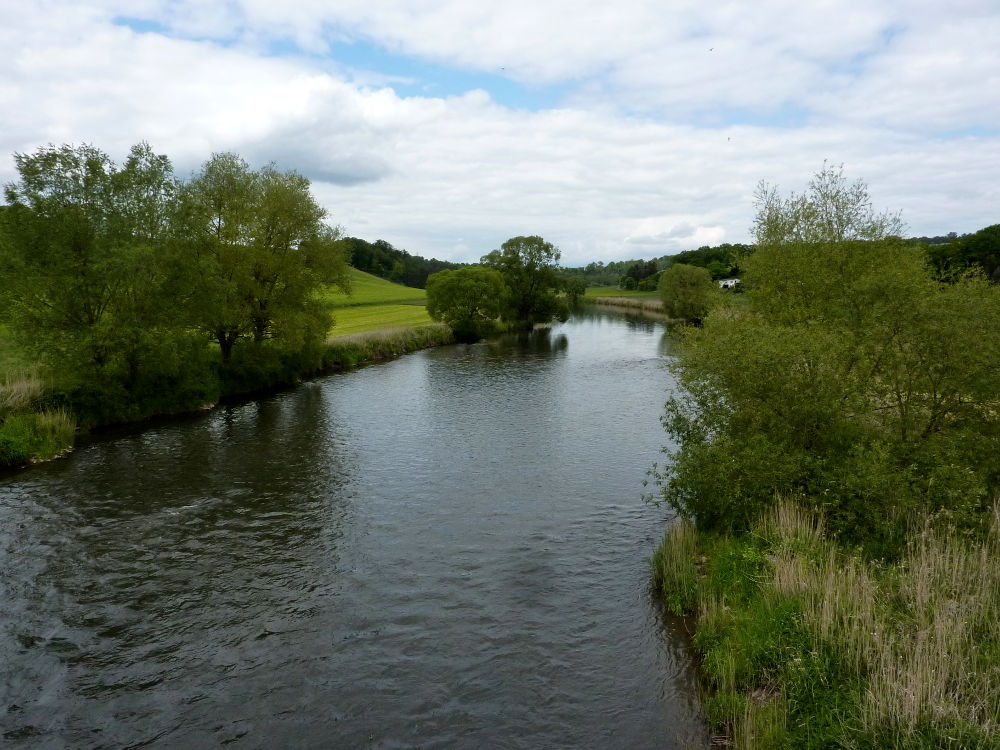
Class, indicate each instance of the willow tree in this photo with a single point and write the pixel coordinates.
(84, 256)
(530, 269)
(263, 252)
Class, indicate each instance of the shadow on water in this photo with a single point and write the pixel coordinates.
(526, 344)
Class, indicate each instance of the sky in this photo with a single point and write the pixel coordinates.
(615, 131)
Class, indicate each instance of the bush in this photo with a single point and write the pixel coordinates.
(687, 292)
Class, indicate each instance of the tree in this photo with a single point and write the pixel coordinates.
(529, 266)
(263, 252)
(850, 378)
(468, 299)
(831, 210)
(687, 292)
(85, 257)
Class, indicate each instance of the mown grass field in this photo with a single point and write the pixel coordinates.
(371, 317)
(371, 290)
(375, 304)
(613, 291)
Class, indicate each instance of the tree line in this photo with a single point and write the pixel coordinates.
(116, 278)
(381, 259)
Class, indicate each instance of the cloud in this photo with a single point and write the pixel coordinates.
(671, 117)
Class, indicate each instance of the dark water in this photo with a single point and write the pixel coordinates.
(447, 550)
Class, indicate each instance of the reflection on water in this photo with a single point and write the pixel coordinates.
(444, 550)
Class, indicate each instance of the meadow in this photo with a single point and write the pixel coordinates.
(367, 289)
(614, 291)
(375, 304)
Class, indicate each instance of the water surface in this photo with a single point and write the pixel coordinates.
(446, 550)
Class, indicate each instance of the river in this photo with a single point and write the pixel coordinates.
(445, 550)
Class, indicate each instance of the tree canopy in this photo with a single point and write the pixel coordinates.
(116, 277)
(262, 250)
(468, 299)
(849, 377)
(529, 266)
(686, 292)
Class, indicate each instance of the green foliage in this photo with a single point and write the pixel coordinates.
(529, 266)
(262, 252)
(381, 259)
(468, 299)
(32, 435)
(804, 645)
(831, 210)
(687, 292)
(113, 279)
(979, 251)
(83, 272)
(850, 376)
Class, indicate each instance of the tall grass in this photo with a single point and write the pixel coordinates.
(342, 352)
(35, 436)
(20, 389)
(644, 304)
(822, 648)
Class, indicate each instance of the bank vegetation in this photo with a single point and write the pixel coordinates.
(851, 390)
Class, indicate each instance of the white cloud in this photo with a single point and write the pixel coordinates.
(453, 177)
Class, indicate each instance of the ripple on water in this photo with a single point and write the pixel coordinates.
(447, 550)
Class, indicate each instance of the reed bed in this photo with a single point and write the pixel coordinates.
(643, 304)
(20, 389)
(372, 346)
(804, 643)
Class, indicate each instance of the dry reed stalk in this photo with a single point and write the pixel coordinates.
(18, 390)
(952, 591)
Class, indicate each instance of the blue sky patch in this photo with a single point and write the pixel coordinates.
(140, 25)
(412, 76)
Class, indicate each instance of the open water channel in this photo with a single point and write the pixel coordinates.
(445, 550)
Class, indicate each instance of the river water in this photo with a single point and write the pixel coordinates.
(445, 550)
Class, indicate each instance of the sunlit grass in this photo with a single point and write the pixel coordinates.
(367, 289)
(613, 291)
(361, 318)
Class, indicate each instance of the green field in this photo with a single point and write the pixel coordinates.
(370, 317)
(613, 291)
(371, 290)
(375, 304)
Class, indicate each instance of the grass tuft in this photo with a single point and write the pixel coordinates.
(818, 647)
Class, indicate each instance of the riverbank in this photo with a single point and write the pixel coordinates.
(641, 304)
(804, 644)
(33, 430)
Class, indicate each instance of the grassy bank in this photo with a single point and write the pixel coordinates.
(614, 291)
(645, 304)
(30, 430)
(804, 644)
(367, 289)
(378, 321)
(361, 318)
(375, 345)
